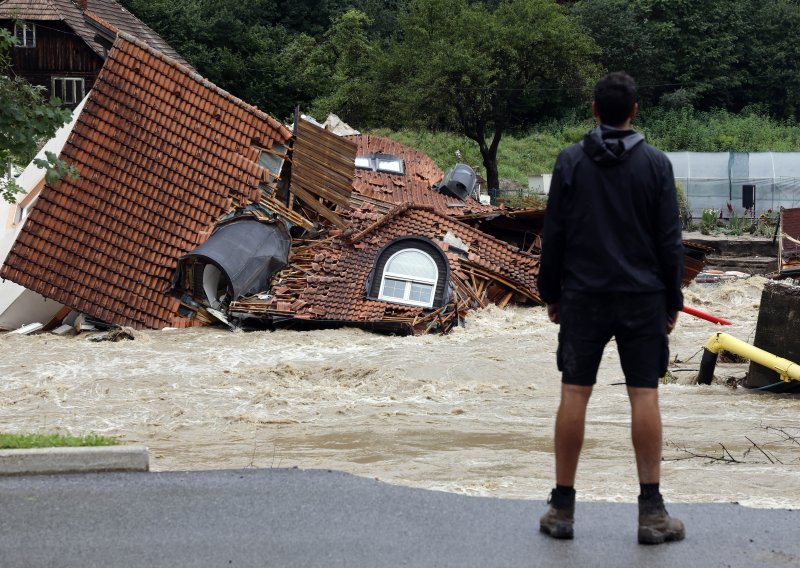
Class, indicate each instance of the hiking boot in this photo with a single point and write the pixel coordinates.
(558, 523)
(655, 524)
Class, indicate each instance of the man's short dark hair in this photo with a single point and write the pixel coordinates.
(615, 95)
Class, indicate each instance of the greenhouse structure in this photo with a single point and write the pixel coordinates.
(751, 182)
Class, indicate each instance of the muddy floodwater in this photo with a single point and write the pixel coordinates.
(471, 412)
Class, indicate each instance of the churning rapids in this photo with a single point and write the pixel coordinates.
(471, 412)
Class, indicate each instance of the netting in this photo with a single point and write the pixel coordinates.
(712, 180)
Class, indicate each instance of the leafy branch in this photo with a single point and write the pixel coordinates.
(26, 120)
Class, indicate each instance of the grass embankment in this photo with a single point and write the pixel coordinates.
(523, 154)
(518, 156)
(28, 441)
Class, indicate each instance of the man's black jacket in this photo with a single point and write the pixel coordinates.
(612, 222)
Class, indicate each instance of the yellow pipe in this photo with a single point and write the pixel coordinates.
(787, 370)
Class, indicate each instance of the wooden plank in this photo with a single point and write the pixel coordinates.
(469, 291)
(341, 164)
(522, 291)
(324, 170)
(311, 201)
(315, 187)
(280, 209)
(327, 147)
(62, 313)
(323, 137)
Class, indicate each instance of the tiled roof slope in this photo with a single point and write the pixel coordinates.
(106, 10)
(334, 287)
(29, 10)
(413, 187)
(162, 154)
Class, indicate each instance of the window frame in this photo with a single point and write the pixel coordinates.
(74, 81)
(28, 28)
(372, 162)
(409, 280)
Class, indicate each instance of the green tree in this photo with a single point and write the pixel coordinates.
(26, 120)
(772, 58)
(347, 59)
(458, 64)
(621, 30)
(699, 50)
(255, 49)
(683, 53)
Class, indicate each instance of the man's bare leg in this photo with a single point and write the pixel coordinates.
(570, 425)
(646, 433)
(655, 524)
(559, 519)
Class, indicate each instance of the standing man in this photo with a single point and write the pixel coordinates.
(611, 266)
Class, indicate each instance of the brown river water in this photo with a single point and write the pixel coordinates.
(471, 412)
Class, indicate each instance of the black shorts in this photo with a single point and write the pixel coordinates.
(589, 321)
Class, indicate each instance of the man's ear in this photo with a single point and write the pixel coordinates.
(634, 111)
(595, 114)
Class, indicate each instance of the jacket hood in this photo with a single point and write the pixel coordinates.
(607, 145)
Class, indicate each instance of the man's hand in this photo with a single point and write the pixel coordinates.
(672, 319)
(552, 313)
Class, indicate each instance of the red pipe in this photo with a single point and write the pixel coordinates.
(705, 316)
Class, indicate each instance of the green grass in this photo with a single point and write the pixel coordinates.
(518, 156)
(534, 152)
(27, 441)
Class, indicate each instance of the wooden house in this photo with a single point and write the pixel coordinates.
(62, 44)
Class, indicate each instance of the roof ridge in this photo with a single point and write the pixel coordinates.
(391, 214)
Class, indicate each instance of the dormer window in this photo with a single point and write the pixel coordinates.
(412, 271)
(385, 163)
(25, 32)
(410, 277)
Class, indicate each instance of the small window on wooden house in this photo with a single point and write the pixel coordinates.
(25, 32)
(70, 90)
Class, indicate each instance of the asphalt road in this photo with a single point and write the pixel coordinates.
(292, 518)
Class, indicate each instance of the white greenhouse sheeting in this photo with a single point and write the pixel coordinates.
(714, 179)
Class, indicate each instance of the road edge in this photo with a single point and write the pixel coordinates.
(85, 459)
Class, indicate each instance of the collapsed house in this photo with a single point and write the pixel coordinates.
(411, 270)
(194, 207)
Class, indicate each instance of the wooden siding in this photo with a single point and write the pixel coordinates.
(59, 52)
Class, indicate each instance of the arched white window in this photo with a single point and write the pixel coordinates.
(409, 277)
